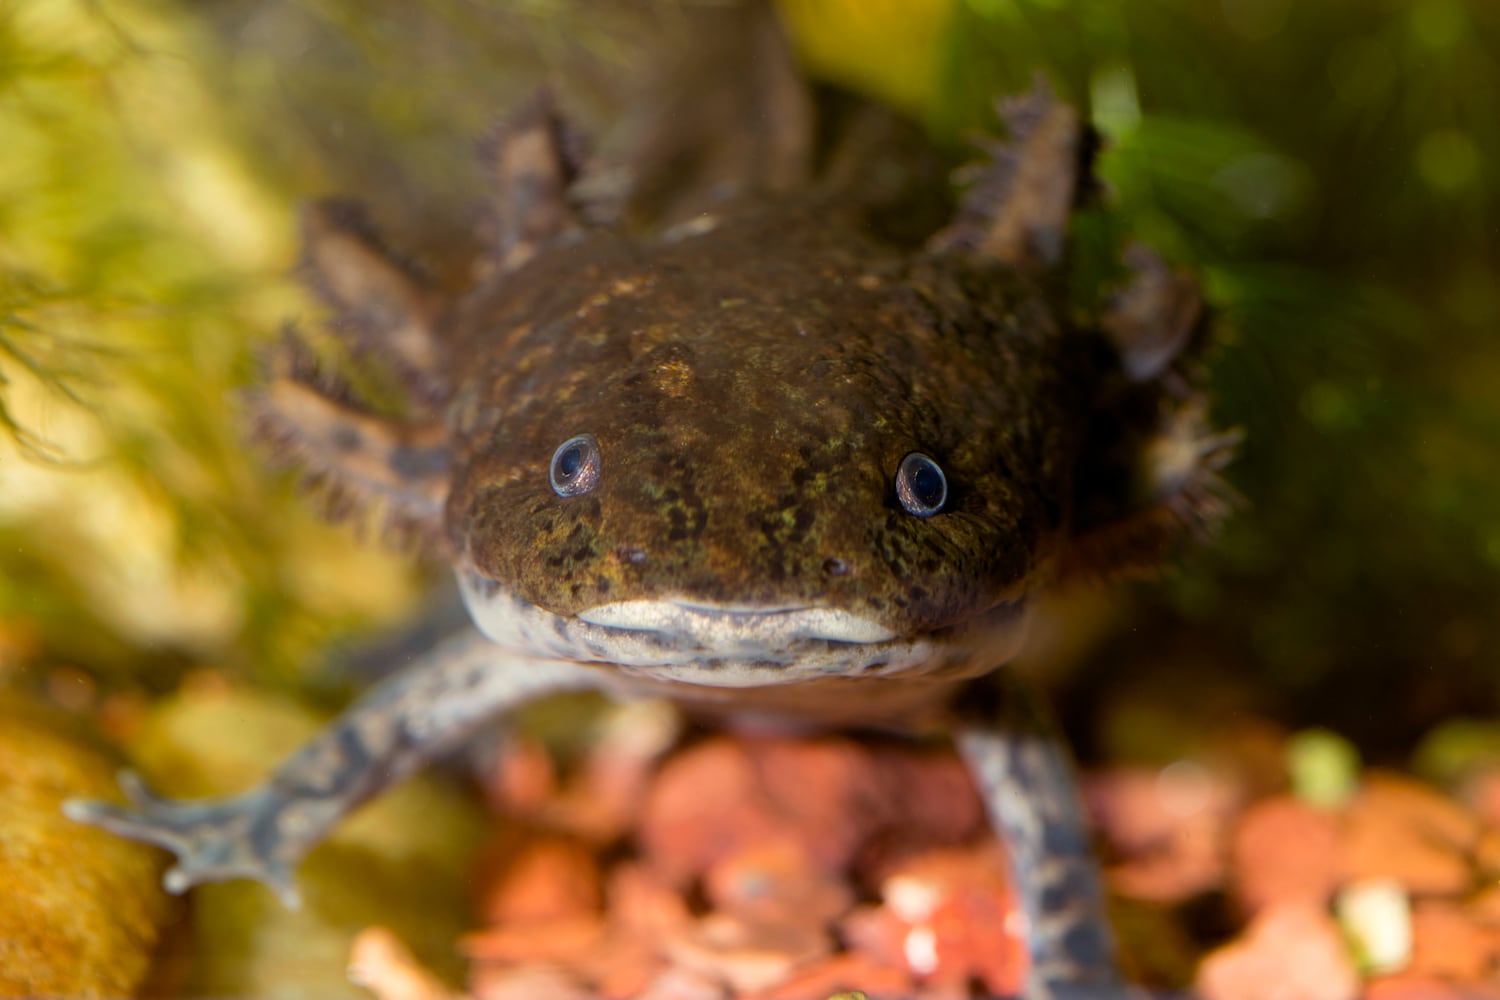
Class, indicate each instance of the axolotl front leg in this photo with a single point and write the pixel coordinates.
(1025, 778)
(261, 834)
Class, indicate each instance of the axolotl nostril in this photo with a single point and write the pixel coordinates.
(773, 457)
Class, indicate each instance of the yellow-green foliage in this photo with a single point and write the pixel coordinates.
(142, 254)
(1333, 170)
(83, 910)
(889, 49)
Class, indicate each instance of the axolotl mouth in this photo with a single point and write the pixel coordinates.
(733, 646)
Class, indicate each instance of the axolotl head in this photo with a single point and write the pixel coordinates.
(762, 448)
(766, 445)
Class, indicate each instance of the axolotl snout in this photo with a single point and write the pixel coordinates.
(770, 458)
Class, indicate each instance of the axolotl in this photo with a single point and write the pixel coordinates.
(780, 456)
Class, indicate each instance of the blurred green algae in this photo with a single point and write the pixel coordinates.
(1333, 171)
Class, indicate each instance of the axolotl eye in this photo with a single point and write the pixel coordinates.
(575, 466)
(920, 485)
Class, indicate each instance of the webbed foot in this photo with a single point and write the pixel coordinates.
(263, 833)
(213, 839)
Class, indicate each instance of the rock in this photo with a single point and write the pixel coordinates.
(950, 918)
(539, 877)
(827, 979)
(82, 913)
(1400, 829)
(1291, 951)
(744, 956)
(530, 982)
(1285, 850)
(1450, 943)
(846, 803)
(380, 963)
(1415, 986)
(706, 804)
(776, 883)
(1376, 917)
(741, 879)
(1168, 826)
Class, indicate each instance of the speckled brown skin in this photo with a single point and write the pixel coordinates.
(753, 390)
(753, 377)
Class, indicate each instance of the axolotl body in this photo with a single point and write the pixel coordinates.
(773, 458)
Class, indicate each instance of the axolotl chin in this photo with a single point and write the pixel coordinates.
(776, 457)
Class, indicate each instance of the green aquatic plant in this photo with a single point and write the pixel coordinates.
(142, 258)
(1333, 172)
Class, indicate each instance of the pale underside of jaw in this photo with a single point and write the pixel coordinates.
(718, 645)
(725, 627)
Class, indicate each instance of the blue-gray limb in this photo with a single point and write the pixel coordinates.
(261, 834)
(1024, 775)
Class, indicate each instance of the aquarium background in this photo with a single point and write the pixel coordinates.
(169, 599)
(1331, 170)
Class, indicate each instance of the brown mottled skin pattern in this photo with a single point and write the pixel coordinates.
(754, 377)
(753, 391)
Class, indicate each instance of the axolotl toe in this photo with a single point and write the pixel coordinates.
(770, 458)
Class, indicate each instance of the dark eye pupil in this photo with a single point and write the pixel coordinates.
(927, 484)
(575, 466)
(920, 485)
